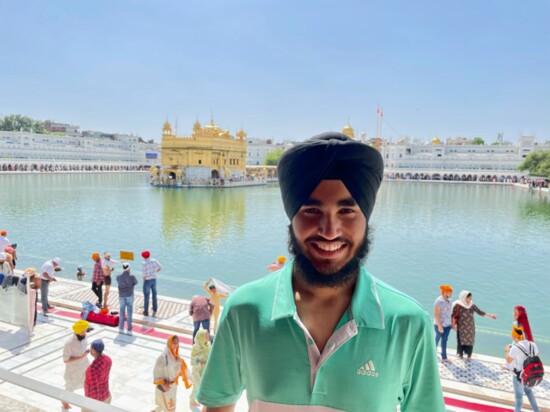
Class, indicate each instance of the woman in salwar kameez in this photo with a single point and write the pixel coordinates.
(168, 369)
(463, 318)
(199, 356)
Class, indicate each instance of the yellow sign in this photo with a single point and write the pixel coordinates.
(126, 255)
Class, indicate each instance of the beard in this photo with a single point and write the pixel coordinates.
(305, 269)
(81, 337)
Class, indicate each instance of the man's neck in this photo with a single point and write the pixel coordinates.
(312, 292)
(321, 308)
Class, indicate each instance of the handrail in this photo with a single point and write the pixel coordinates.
(57, 393)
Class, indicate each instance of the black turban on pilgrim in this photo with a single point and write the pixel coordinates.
(330, 156)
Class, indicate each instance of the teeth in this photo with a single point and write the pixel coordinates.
(328, 247)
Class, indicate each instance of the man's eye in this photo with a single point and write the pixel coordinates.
(310, 210)
(347, 211)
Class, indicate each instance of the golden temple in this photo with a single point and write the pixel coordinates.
(209, 153)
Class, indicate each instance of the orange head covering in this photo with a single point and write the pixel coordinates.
(517, 333)
(184, 371)
(3, 233)
(169, 342)
(95, 256)
(281, 259)
(445, 288)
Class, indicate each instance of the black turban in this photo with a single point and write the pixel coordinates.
(330, 156)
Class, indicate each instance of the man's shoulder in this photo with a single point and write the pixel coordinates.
(440, 301)
(106, 360)
(69, 341)
(255, 291)
(257, 288)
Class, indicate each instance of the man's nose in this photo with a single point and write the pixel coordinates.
(329, 226)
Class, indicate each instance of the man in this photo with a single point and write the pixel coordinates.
(47, 276)
(442, 319)
(107, 266)
(216, 298)
(97, 279)
(278, 264)
(515, 356)
(75, 356)
(149, 269)
(96, 381)
(126, 283)
(5, 267)
(323, 332)
(201, 309)
(10, 256)
(4, 241)
(34, 283)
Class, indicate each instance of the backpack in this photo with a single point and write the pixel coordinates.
(533, 370)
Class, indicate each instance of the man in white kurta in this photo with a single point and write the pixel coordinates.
(75, 356)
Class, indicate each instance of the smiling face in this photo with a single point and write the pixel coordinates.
(328, 234)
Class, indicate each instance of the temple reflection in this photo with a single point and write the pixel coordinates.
(201, 216)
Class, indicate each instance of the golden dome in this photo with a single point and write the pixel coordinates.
(436, 140)
(167, 127)
(241, 134)
(348, 131)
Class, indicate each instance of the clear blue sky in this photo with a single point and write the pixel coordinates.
(282, 69)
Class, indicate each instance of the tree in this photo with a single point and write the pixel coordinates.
(272, 158)
(38, 127)
(538, 163)
(20, 123)
(478, 141)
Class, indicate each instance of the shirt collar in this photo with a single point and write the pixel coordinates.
(365, 304)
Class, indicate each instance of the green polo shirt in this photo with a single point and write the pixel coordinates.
(382, 353)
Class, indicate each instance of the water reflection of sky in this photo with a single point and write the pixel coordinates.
(491, 240)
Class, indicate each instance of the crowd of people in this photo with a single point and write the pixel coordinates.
(94, 376)
(459, 316)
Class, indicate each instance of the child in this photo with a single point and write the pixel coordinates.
(80, 274)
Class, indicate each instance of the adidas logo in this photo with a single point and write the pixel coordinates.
(367, 369)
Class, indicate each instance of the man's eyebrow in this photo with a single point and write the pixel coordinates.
(350, 201)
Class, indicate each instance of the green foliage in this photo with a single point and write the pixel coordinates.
(273, 157)
(538, 163)
(478, 141)
(20, 123)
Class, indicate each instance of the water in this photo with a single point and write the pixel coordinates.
(491, 240)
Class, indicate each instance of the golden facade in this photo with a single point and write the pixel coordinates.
(209, 153)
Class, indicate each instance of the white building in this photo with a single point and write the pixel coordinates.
(258, 149)
(457, 161)
(26, 151)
